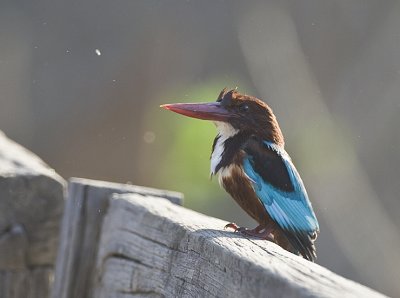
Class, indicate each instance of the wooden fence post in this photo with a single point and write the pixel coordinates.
(137, 245)
(31, 205)
(86, 205)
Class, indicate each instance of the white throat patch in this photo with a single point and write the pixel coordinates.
(225, 131)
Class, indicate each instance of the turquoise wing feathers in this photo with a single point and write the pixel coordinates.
(289, 207)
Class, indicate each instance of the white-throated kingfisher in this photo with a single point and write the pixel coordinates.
(252, 165)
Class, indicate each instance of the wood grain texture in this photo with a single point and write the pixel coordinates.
(152, 248)
(86, 206)
(31, 205)
(34, 282)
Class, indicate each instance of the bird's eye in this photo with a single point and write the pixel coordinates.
(244, 108)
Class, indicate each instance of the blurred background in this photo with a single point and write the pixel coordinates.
(81, 83)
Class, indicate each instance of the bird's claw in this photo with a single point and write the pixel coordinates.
(258, 232)
(233, 226)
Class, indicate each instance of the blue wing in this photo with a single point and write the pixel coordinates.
(281, 191)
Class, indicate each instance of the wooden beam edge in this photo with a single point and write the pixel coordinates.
(152, 246)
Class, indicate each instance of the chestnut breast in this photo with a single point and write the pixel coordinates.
(236, 183)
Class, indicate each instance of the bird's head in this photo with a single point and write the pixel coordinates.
(241, 113)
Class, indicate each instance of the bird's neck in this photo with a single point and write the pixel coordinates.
(271, 131)
(229, 141)
(226, 144)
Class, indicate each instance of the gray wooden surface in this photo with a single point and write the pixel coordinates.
(31, 205)
(87, 203)
(152, 248)
(116, 243)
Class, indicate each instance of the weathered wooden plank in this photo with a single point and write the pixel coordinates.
(31, 204)
(13, 247)
(152, 248)
(29, 283)
(85, 208)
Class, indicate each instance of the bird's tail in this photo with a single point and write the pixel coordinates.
(299, 244)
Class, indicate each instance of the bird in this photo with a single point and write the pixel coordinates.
(248, 155)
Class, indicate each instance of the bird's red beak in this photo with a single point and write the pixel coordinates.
(205, 111)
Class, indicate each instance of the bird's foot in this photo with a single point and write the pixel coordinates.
(258, 232)
(233, 226)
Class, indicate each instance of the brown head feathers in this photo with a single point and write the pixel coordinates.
(252, 115)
